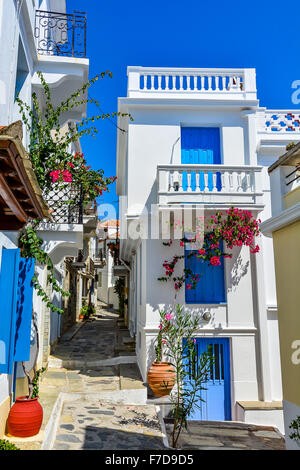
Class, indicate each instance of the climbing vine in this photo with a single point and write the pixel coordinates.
(31, 248)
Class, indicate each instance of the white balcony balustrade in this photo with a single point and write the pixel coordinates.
(209, 185)
(178, 82)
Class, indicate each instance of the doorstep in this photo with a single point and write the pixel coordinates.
(260, 405)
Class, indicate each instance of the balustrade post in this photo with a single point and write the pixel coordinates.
(134, 79)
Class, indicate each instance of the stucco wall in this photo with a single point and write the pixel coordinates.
(287, 265)
(154, 137)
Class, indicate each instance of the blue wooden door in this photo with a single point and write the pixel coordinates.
(16, 291)
(216, 404)
(200, 145)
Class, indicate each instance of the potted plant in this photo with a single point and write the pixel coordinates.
(161, 375)
(26, 415)
(86, 311)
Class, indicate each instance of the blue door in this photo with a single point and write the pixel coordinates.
(16, 291)
(216, 404)
(200, 145)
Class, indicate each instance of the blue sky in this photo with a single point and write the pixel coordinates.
(174, 33)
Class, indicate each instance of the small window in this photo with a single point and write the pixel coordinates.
(210, 288)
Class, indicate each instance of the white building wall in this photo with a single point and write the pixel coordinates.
(154, 137)
(249, 317)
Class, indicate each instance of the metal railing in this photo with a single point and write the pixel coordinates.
(65, 204)
(293, 177)
(60, 34)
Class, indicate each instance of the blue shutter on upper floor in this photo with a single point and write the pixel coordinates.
(16, 291)
(210, 288)
(200, 145)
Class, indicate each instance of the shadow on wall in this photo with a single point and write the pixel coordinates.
(238, 271)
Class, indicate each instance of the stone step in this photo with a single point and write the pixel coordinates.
(130, 377)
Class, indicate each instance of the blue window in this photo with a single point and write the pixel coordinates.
(210, 288)
(200, 145)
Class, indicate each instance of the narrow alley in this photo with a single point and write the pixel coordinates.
(92, 394)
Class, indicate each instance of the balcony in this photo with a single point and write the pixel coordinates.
(60, 34)
(228, 84)
(210, 185)
(65, 204)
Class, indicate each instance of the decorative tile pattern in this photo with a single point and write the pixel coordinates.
(283, 122)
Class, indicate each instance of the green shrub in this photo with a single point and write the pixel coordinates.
(6, 445)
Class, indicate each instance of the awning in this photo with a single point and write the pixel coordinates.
(20, 194)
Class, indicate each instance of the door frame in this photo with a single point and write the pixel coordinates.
(227, 371)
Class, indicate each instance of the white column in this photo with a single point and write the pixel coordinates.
(250, 137)
(264, 372)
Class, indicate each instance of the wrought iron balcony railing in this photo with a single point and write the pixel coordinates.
(61, 34)
(65, 204)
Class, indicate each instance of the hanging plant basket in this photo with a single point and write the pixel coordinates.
(25, 417)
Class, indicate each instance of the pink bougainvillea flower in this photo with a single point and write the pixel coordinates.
(160, 327)
(215, 261)
(67, 176)
(70, 164)
(181, 243)
(168, 316)
(189, 286)
(55, 175)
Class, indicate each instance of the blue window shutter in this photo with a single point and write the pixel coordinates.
(200, 145)
(24, 310)
(8, 294)
(210, 288)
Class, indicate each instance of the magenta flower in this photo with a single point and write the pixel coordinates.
(67, 176)
(215, 261)
(168, 316)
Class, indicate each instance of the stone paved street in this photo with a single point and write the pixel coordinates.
(104, 405)
(91, 425)
(228, 436)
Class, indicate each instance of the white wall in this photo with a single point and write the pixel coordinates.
(154, 137)
(105, 291)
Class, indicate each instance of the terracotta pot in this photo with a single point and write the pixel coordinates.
(25, 417)
(161, 378)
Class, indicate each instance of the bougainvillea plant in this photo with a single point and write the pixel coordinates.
(50, 144)
(235, 227)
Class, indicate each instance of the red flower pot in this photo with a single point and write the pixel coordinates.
(25, 417)
(161, 378)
